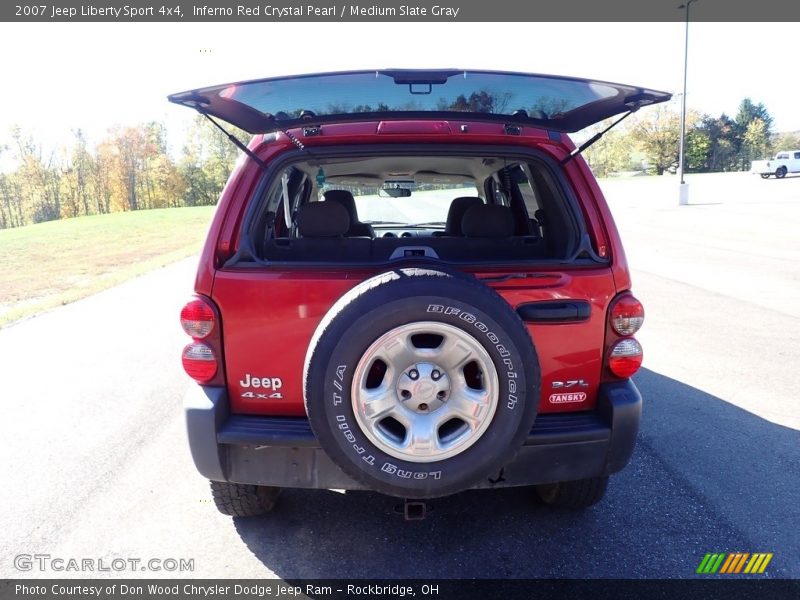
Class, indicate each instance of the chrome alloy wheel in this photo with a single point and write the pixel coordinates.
(425, 391)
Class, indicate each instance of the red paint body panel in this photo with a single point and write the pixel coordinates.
(269, 314)
(270, 317)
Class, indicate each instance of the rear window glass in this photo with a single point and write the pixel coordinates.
(478, 92)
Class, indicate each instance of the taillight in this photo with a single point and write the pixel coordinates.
(201, 358)
(627, 315)
(625, 358)
(197, 319)
(623, 353)
(199, 362)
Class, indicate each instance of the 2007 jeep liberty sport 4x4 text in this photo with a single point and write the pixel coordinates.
(413, 285)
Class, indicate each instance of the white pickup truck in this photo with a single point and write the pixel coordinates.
(786, 161)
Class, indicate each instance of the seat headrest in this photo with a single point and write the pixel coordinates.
(455, 213)
(488, 220)
(322, 219)
(344, 198)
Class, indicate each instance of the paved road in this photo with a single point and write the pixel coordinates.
(95, 464)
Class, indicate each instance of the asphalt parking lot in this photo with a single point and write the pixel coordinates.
(96, 465)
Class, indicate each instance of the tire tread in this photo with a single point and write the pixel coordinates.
(240, 500)
(574, 494)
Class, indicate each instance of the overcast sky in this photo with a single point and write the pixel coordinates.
(61, 76)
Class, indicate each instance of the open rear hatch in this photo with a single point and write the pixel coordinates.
(565, 104)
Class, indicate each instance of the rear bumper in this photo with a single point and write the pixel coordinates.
(283, 452)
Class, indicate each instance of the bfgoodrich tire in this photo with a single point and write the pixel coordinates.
(421, 383)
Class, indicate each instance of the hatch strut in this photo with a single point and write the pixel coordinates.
(235, 141)
(596, 137)
(243, 147)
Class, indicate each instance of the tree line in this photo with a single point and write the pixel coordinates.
(650, 140)
(130, 169)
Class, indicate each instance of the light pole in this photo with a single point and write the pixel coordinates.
(683, 196)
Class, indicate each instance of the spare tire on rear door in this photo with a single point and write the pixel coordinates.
(421, 383)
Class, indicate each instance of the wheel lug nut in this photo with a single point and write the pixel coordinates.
(441, 395)
(405, 394)
(423, 406)
(435, 375)
(413, 374)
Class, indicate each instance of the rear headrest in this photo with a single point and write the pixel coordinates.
(488, 220)
(344, 198)
(455, 213)
(322, 219)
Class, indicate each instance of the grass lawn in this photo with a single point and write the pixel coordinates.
(50, 264)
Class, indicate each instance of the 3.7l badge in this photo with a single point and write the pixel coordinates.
(571, 383)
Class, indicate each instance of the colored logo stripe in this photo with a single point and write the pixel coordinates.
(734, 562)
(711, 563)
(758, 563)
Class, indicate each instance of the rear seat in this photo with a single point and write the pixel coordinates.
(490, 232)
(487, 229)
(380, 250)
(322, 227)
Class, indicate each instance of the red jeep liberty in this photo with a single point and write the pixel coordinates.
(412, 285)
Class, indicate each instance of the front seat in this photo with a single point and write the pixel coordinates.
(345, 198)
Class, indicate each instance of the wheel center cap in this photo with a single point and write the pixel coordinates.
(424, 390)
(423, 387)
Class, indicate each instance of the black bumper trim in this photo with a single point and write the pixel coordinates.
(283, 452)
(292, 432)
(295, 432)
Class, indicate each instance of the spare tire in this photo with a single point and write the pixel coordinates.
(421, 383)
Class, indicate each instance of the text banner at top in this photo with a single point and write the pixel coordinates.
(445, 11)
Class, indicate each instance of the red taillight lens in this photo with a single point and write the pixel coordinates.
(625, 358)
(627, 315)
(197, 319)
(199, 362)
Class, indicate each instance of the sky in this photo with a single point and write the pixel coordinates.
(58, 77)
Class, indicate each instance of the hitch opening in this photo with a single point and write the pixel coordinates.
(413, 510)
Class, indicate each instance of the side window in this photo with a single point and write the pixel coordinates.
(782, 155)
(797, 154)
